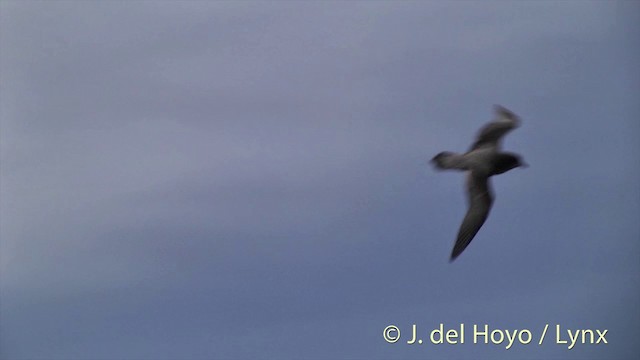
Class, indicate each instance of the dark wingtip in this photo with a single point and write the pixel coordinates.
(453, 256)
(500, 108)
(503, 111)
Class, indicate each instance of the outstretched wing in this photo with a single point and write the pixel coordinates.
(480, 201)
(492, 133)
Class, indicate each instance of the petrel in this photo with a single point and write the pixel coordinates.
(483, 160)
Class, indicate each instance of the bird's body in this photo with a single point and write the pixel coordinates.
(483, 160)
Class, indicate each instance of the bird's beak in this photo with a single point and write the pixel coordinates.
(524, 165)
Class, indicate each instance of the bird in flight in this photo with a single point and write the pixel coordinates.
(483, 160)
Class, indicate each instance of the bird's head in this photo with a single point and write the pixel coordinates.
(439, 161)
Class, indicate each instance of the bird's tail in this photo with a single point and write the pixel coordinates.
(448, 160)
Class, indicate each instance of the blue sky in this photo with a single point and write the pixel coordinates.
(199, 180)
